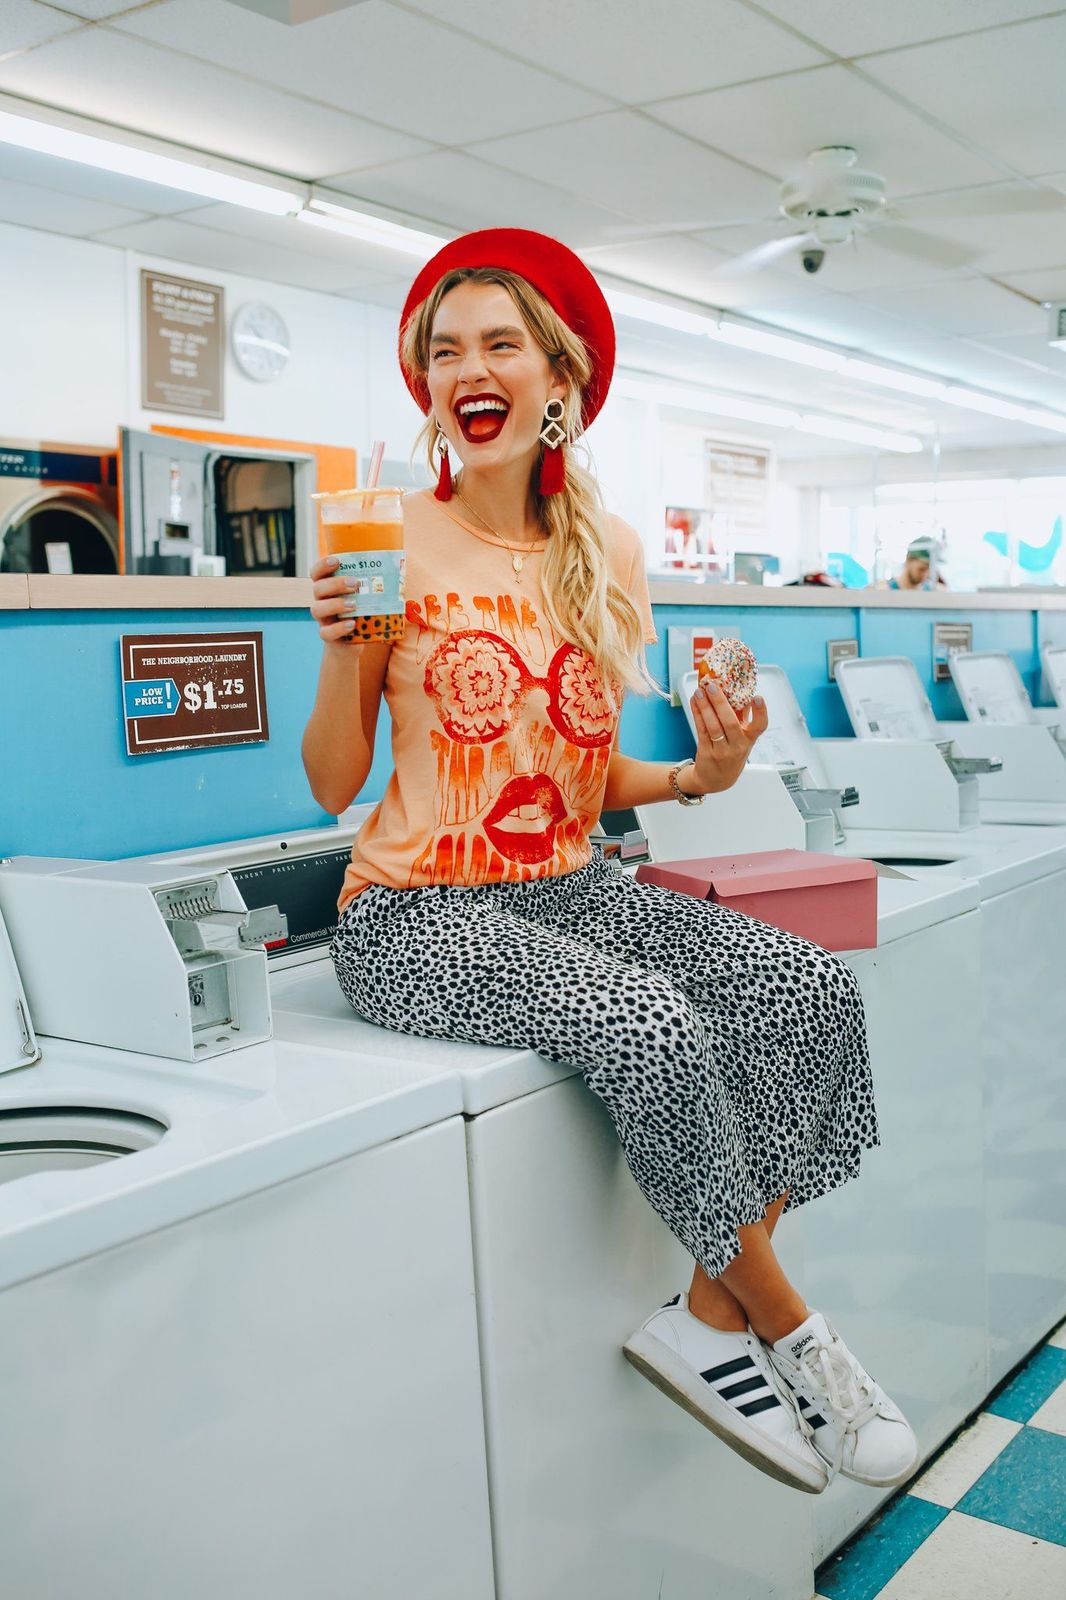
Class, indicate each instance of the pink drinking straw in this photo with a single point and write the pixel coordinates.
(374, 469)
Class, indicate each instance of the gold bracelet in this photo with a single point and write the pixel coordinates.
(679, 793)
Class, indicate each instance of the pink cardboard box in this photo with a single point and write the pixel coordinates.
(828, 899)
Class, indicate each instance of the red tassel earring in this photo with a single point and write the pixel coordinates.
(443, 491)
(552, 464)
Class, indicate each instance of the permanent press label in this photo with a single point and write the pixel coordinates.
(379, 582)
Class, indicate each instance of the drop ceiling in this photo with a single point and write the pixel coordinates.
(651, 138)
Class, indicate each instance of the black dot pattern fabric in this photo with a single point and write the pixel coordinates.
(731, 1056)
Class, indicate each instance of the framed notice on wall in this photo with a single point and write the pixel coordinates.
(182, 327)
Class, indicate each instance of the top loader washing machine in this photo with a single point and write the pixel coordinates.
(917, 811)
(240, 1346)
(598, 1484)
(1001, 719)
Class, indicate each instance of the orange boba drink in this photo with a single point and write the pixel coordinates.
(364, 528)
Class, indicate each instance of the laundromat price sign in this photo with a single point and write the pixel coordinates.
(186, 691)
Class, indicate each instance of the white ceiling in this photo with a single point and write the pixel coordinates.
(653, 138)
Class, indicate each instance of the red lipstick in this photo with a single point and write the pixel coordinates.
(479, 427)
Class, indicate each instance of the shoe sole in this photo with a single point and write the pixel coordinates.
(676, 1379)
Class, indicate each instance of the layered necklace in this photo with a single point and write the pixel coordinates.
(515, 551)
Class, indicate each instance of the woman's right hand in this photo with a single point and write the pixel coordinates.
(331, 596)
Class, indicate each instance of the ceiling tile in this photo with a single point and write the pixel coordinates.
(404, 70)
(392, 293)
(30, 207)
(101, 73)
(99, 10)
(634, 166)
(1002, 90)
(89, 183)
(1047, 284)
(852, 30)
(775, 125)
(24, 25)
(630, 49)
(224, 252)
(836, 318)
(1001, 242)
(963, 306)
(457, 191)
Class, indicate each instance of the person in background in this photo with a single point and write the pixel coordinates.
(731, 1056)
(917, 571)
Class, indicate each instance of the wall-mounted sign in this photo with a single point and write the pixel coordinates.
(181, 345)
(184, 691)
(738, 486)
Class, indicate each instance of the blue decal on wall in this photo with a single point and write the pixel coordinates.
(852, 574)
(1031, 557)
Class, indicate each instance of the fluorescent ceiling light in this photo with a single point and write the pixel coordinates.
(371, 230)
(779, 345)
(204, 176)
(991, 405)
(726, 405)
(663, 316)
(893, 378)
(859, 433)
(946, 490)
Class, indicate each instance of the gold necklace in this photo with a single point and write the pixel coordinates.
(516, 558)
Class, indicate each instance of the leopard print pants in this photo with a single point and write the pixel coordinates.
(732, 1057)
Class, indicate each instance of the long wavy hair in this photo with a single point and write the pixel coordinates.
(583, 602)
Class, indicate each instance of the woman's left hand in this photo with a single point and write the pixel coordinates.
(723, 738)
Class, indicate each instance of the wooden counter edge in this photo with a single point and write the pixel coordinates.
(64, 592)
(53, 592)
(14, 591)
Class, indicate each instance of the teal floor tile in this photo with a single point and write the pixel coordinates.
(1034, 1384)
(1025, 1487)
(864, 1566)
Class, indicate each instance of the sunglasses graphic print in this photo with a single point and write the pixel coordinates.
(522, 756)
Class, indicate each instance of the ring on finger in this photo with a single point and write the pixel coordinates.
(719, 739)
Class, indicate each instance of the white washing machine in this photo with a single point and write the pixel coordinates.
(1020, 876)
(237, 1315)
(1001, 719)
(598, 1485)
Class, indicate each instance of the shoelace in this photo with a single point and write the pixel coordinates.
(833, 1373)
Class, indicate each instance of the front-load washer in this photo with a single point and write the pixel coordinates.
(596, 1483)
(58, 508)
(237, 1314)
(1020, 875)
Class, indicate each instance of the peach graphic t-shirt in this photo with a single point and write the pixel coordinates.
(501, 733)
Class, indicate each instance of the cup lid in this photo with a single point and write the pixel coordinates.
(348, 494)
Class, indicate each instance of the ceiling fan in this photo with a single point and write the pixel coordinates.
(835, 202)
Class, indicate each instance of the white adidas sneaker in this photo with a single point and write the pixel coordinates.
(726, 1381)
(856, 1428)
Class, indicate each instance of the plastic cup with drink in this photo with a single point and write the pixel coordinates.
(363, 528)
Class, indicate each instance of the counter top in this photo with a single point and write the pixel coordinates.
(55, 592)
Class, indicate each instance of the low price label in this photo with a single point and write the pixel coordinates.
(186, 691)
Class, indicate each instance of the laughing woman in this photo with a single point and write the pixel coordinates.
(731, 1057)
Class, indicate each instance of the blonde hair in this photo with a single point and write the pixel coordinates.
(583, 602)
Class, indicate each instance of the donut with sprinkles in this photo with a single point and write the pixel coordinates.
(732, 666)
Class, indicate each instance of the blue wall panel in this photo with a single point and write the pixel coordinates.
(67, 786)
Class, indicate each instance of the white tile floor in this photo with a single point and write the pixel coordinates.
(974, 1557)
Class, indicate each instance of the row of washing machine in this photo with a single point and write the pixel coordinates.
(348, 1317)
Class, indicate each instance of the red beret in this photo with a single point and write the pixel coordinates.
(562, 278)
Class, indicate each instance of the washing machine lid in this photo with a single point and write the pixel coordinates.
(18, 1042)
(1055, 671)
(996, 857)
(787, 741)
(990, 686)
(885, 698)
(309, 1009)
